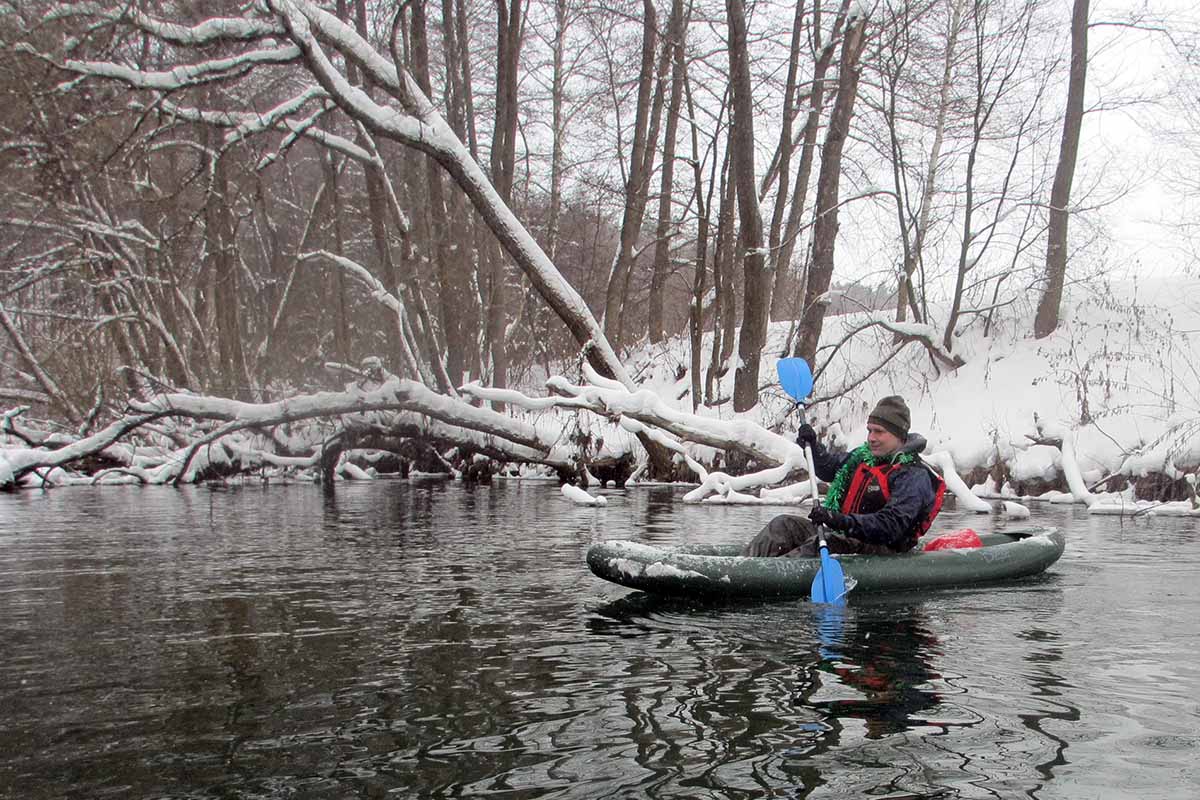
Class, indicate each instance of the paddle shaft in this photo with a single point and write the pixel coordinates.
(829, 584)
(808, 461)
(812, 486)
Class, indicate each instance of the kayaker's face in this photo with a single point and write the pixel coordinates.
(882, 441)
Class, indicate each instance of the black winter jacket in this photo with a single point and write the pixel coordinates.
(912, 497)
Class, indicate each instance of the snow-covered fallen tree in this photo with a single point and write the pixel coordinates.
(308, 431)
(778, 458)
(251, 435)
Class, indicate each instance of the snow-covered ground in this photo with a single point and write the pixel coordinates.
(1118, 383)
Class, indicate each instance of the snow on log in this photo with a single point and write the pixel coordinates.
(396, 394)
(17, 462)
(1070, 467)
(1014, 510)
(644, 412)
(790, 494)
(580, 497)
(352, 471)
(955, 483)
(740, 435)
(1108, 503)
(421, 413)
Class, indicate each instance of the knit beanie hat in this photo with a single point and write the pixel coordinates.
(892, 413)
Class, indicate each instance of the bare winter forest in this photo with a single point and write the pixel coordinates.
(304, 228)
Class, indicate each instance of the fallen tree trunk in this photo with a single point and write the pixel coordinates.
(15, 463)
(398, 407)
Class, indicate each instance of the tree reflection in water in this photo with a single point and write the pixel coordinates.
(1048, 689)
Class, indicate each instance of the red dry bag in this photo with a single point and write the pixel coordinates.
(955, 540)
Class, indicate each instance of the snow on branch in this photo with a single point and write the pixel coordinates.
(645, 413)
(925, 335)
(186, 75)
(405, 127)
(244, 124)
(220, 29)
(47, 383)
(907, 332)
(17, 462)
(379, 293)
(395, 394)
(344, 39)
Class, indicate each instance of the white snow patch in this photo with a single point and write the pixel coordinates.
(1015, 510)
(626, 566)
(660, 569)
(580, 497)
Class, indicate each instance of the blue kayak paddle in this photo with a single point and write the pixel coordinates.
(795, 377)
(829, 584)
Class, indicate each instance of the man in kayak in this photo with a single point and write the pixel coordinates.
(881, 496)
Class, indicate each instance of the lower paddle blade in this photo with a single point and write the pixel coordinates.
(829, 584)
(795, 377)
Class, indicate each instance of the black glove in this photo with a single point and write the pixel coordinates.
(806, 436)
(835, 520)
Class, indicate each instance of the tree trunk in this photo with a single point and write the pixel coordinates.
(676, 28)
(756, 288)
(451, 289)
(724, 310)
(783, 160)
(656, 109)
(636, 182)
(509, 23)
(558, 85)
(220, 229)
(906, 296)
(1060, 192)
(341, 323)
(808, 150)
(454, 291)
(825, 227)
(703, 207)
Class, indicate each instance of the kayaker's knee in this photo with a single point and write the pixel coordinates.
(781, 535)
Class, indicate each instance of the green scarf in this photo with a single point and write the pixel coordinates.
(859, 455)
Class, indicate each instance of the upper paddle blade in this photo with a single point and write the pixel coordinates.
(829, 584)
(795, 377)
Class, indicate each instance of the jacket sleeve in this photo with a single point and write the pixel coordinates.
(826, 463)
(894, 524)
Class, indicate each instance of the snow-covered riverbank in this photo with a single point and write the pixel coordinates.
(1106, 412)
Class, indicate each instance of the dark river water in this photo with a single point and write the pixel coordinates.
(428, 639)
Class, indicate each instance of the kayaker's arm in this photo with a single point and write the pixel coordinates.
(893, 525)
(826, 463)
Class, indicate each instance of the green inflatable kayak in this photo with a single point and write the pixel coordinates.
(719, 570)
